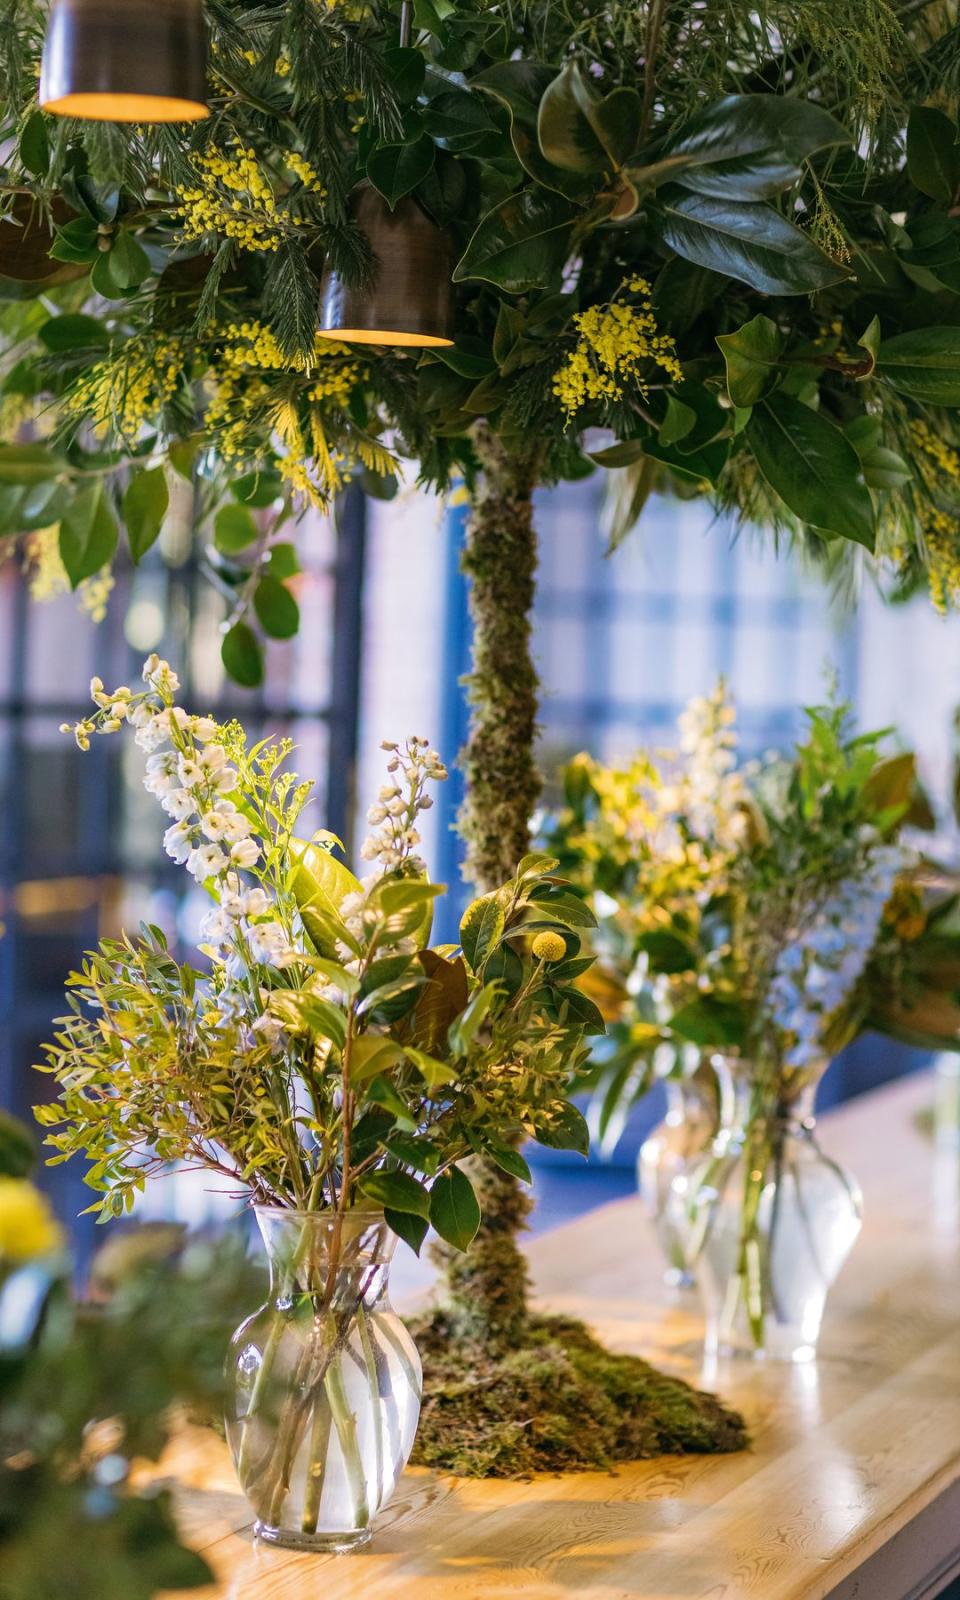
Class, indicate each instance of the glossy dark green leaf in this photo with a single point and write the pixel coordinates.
(408, 1227)
(933, 155)
(34, 144)
(398, 1191)
(520, 86)
(509, 1161)
(814, 469)
(454, 1210)
(565, 1129)
(76, 241)
(234, 529)
(521, 244)
(88, 534)
(747, 241)
(924, 364)
(242, 656)
(128, 261)
(405, 68)
(73, 331)
(395, 169)
(277, 610)
(144, 508)
(751, 146)
(752, 357)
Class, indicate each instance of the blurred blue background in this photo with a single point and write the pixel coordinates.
(621, 643)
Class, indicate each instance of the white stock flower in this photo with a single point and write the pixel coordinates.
(206, 861)
(178, 842)
(179, 804)
(269, 944)
(203, 728)
(245, 853)
(235, 825)
(256, 902)
(161, 778)
(191, 772)
(214, 824)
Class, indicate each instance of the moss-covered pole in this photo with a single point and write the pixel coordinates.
(488, 1286)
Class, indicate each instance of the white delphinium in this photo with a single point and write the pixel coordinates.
(821, 963)
(711, 792)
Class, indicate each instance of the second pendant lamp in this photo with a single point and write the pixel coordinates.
(410, 301)
(125, 61)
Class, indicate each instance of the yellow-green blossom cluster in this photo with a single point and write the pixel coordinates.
(940, 470)
(126, 391)
(47, 576)
(234, 197)
(615, 342)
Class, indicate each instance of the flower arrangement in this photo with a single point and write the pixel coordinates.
(753, 920)
(769, 908)
(328, 1065)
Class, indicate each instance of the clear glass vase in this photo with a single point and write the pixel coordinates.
(325, 1383)
(769, 1221)
(667, 1153)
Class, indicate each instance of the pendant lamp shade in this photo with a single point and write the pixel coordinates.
(125, 61)
(410, 301)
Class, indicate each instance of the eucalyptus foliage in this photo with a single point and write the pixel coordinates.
(711, 245)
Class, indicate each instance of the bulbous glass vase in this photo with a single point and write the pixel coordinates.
(686, 1131)
(324, 1382)
(769, 1221)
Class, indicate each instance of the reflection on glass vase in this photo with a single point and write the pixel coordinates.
(325, 1383)
(685, 1133)
(769, 1222)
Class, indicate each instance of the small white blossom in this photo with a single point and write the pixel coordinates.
(206, 861)
(269, 944)
(178, 842)
(203, 728)
(245, 853)
(179, 804)
(214, 824)
(191, 772)
(270, 1031)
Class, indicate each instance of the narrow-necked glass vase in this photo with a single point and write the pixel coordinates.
(770, 1221)
(325, 1382)
(671, 1149)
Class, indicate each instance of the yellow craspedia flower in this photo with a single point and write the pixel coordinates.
(614, 342)
(549, 946)
(28, 1228)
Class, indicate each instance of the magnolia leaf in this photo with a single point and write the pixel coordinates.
(882, 467)
(464, 1029)
(441, 1001)
(398, 1191)
(751, 146)
(566, 136)
(73, 331)
(242, 656)
(145, 504)
(522, 243)
(933, 155)
(752, 357)
(924, 364)
(814, 469)
(319, 883)
(744, 240)
(454, 1210)
(88, 534)
(405, 69)
(395, 169)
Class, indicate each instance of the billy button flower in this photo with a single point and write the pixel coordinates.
(615, 341)
(28, 1228)
(549, 946)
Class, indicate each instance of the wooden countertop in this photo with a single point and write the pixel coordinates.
(851, 1488)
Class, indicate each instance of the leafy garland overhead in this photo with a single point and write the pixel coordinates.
(724, 235)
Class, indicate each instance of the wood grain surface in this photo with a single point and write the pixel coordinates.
(851, 1487)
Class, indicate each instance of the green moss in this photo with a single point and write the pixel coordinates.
(556, 1402)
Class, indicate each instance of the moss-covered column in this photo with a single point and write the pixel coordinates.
(487, 1287)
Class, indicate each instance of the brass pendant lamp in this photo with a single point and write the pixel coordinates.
(411, 299)
(125, 61)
